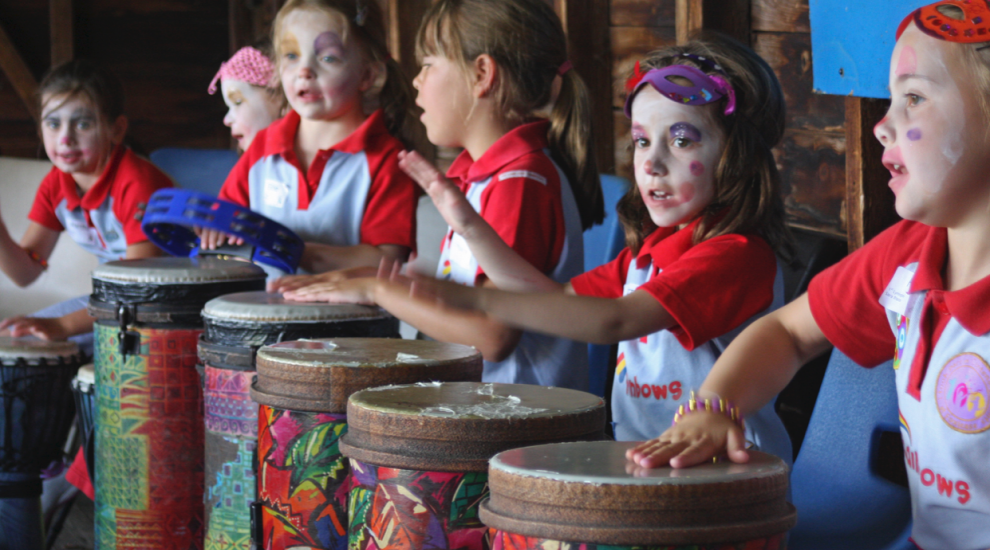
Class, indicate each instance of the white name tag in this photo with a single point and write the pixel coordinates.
(895, 297)
(81, 232)
(275, 193)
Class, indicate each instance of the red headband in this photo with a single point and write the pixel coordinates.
(973, 28)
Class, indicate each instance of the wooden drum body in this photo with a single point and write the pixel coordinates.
(419, 455)
(587, 496)
(236, 325)
(303, 387)
(36, 409)
(149, 426)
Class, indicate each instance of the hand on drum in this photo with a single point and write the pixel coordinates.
(350, 290)
(44, 328)
(211, 239)
(448, 198)
(697, 438)
(295, 282)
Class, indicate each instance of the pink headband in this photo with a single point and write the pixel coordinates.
(248, 65)
(706, 89)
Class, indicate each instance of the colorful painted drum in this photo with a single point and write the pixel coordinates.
(84, 391)
(149, 427)
(303, 388)
(236, 325)
(419, 455)
(36, 408)
(586, 496)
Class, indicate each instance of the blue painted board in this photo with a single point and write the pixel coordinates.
(851, 44)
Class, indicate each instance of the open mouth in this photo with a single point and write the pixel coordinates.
(658, 195)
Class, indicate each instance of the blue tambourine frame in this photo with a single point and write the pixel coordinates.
(172, 213)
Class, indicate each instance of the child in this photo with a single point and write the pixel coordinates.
(96, 191)
(917, 292)
(488, 67)
(704, 117)
(245, 81)
(328, 170)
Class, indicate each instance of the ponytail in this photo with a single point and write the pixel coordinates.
(572, 146)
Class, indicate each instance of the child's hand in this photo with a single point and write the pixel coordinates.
(697, 438)
(210, 239)
(44, 328)
(449, 200)
(295, 282)
(350, 291)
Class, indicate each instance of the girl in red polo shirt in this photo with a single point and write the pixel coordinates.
(495, 80)
(329, 169)
(702, 225)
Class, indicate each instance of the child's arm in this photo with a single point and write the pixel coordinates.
(755, 367)
(503, 266)
(15, 260)
(144, 249)
(54, 328)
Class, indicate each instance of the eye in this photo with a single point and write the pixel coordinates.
(641, 142)
(291, 56)
(681, 142)
(914, 100)
(84, 124)
(329, 59)
(51, 124)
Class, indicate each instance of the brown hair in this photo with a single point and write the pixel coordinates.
(747, 185)
(364, 19)
(527, 42)
(76, 77)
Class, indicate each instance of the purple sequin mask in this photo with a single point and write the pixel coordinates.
(705, 88)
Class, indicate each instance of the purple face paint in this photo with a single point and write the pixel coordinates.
(914, 134)
(328, 43)
(638, 132)
(697, 168)
(685, 130)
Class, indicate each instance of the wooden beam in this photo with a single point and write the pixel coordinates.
(731, 17)
(12, 64)
(869, 202)
(589, 49)
(60, 22)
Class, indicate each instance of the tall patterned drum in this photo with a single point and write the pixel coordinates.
(36, 409)
(419, 455)
(236, 325)
(149, 434)
(586, 496)
(303, 388)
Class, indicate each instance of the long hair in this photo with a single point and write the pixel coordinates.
(363, 20)
(747, 184)
(81, 77)
(527, 42)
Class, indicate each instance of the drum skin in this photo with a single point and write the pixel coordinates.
(504, 540)
(419, 455)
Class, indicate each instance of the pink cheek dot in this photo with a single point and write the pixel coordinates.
(697, 168)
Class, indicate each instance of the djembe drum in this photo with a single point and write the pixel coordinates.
(236, 325)
(149, 429)
(84, 392)
(36, 409)
(587, 496)
(303, 388)
(419, 455)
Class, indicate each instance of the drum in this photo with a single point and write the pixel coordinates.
(84, 391)
(35, 408)
(586, 495)
(149, 418)
(236, 325)
(419, 455)
(303, 388)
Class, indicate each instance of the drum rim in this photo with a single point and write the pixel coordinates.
(223, 310)
(36, 349)
(125, 272)
(279, 354)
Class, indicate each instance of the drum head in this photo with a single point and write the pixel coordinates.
(184, 271)
(33, 350)
(264, 307)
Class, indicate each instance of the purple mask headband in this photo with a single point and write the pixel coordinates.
(705, 88)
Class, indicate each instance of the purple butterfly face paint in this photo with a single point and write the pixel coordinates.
(685, 130)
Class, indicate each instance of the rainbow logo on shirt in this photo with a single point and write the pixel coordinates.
(904, 425)
(902, 328)
(446, 269)
(620, 368)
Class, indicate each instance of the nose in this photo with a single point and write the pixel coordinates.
(654, 167)
(66, 137)
(228, 119)
(884, 131)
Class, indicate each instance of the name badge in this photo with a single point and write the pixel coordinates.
(81, 232)
(895, 297)
(275, 193)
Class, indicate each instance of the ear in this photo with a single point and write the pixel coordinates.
(374, 76)
(118, 129)
(485, 72)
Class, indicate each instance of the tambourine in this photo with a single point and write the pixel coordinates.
(172, 213)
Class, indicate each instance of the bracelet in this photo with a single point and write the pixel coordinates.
(719, 406)
(37, 258)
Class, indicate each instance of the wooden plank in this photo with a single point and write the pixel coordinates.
(60, 17)
(726, 16)
(688, 19)
(629, 45)
(643, 13)
(623, 145)
(812, 172)
(588, 49)
(870, 201)
(781, 16)
(18, 73)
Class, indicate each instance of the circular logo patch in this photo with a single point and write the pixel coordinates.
(961, 393)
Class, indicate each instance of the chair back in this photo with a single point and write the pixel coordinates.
(202, 170)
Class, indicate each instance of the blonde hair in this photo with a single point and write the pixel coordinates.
(362, 20)
(747, 184)
(527, 42)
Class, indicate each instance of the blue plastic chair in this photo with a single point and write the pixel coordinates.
(841, 500)
(602, 243)
(202, 170)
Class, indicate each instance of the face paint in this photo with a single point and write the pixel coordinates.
(685, 130)
(697, 168)
(908, 62)
(914, 134)
(328, 43)
(638, 132)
